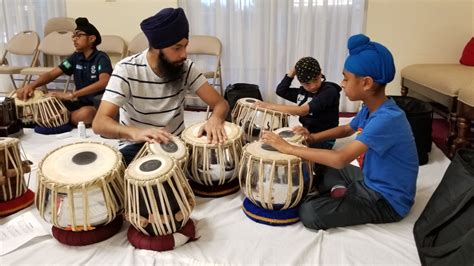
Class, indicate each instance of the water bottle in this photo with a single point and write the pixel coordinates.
(81, 128)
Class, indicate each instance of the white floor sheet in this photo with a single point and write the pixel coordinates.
(227, 236)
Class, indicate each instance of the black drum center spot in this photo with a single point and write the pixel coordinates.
(169, 147)
(286, 134)
(85, 157)
(150, 165)
(268, 147)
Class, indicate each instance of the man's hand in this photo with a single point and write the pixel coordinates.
(299, 130)
(276, 142)
(66, 96)
(214, 130)
(25, 93)
(152, 135)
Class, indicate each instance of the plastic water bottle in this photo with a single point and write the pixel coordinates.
(81, 128)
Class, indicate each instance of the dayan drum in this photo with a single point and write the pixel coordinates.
(175, 148)
(159, 202)
(14, 193)
(212, 168)
(255, 119)
(274, 184)
(25, 109)
(50, 112)
(80, 188)
(287, 134)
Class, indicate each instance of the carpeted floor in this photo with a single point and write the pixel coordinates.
(439, 134)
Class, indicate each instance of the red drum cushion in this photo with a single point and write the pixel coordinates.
(159, 243)
(83, 238)
(17, 204)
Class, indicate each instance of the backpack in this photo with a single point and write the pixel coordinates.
(444, 232)
(234, 92)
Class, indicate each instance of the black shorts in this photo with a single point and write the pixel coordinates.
(75, 105)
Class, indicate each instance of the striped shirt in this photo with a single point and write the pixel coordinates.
(145, 99)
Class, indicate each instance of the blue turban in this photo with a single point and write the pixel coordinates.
(371, 59)
(166, 28)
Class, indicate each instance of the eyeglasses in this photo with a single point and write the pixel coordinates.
(78, 35)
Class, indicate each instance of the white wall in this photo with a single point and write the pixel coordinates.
(117, 17)
(420, 31)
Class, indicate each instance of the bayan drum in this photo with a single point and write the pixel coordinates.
(14, 193)
(25, 109)
(10, 125)
(175, 148)
(80, 192)
(274, 184)
(287, 134)
(255, 119)
(158, 204)
(212, 168)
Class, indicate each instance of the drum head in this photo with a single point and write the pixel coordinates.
(263, 151)
(5, 141)
(247, 101)
(150, 167)
(288, 134)
(37, 94)
(190, 134)
(174, 148)
(79, 163)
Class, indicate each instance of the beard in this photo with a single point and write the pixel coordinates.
(170, 70)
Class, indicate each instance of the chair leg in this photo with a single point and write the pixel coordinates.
(462, 139)
(13, 81)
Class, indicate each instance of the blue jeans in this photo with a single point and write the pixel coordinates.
(130, 151)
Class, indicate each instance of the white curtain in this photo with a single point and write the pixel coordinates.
(262, 39)
(21, 15)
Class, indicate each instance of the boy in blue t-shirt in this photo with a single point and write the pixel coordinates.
(91, 69)
(317, 99)
(383, 189)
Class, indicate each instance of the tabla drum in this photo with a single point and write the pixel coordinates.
(274, 184)
(50, 112)
(287, 134)
(25, 109)
(175, 148)
(14, 193)
(80, 191)
(10, 125)
(158, 204)
(212, 168)
(255, 119)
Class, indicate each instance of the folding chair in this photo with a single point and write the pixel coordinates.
(56, 44)
(114, 46)
(24, 43)
(138, 44)
(206, 51)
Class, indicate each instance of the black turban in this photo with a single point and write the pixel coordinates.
(166, 28)
(307, 69)
(84, 25)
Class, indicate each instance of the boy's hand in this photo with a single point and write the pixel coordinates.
(275, 141)
(67, 96)
(153, 135)
(263, 105)
(299, 130)
(292, 72)
(25, 93)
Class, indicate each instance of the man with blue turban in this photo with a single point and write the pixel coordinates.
(382, 188)
(148, 89)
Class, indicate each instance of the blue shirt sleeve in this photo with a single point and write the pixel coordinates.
(380, 133)
(104, 65)
(69, 64)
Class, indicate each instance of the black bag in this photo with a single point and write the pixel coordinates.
(234, 92)
(444, 233)
(420, 117)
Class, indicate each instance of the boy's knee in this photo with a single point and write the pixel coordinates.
(309, 216)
